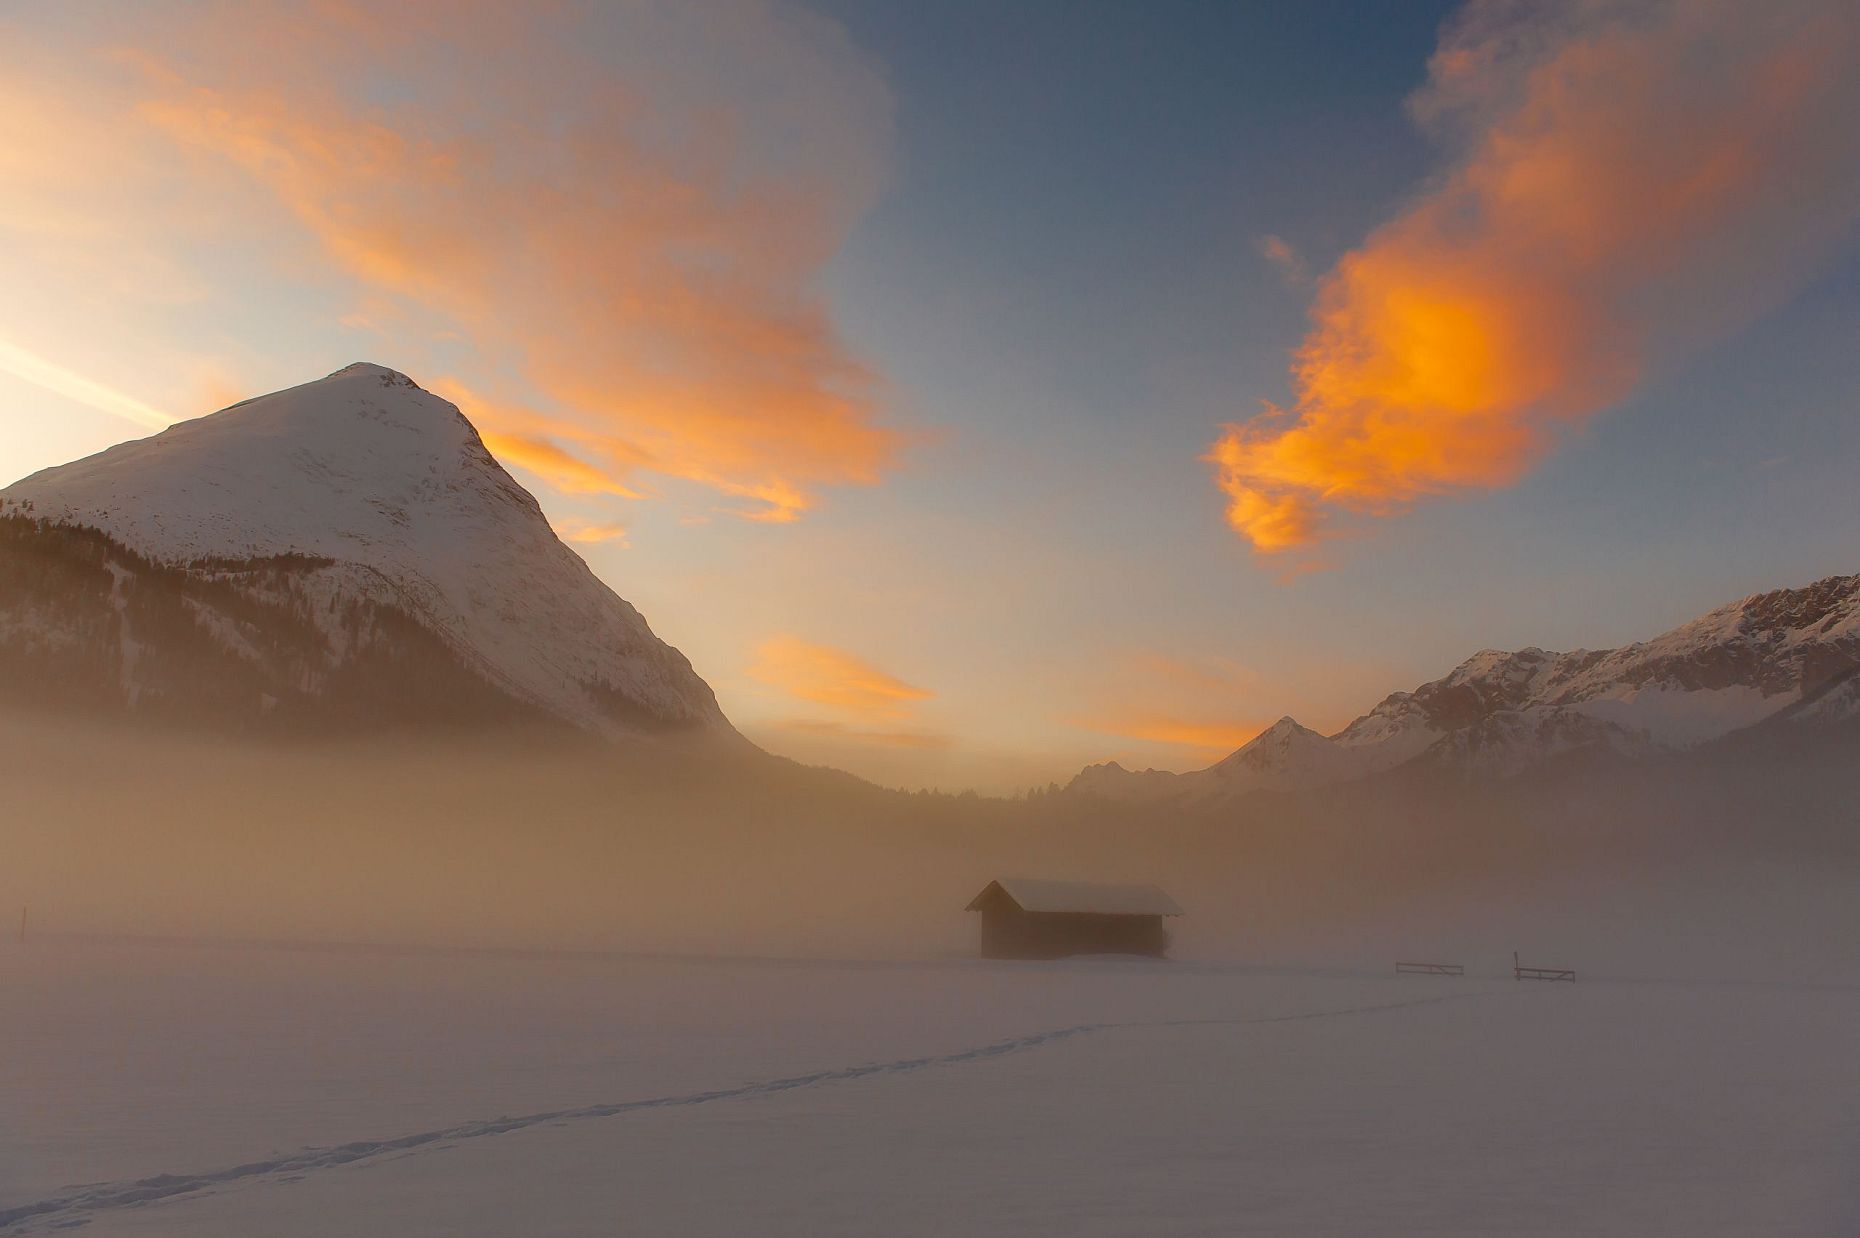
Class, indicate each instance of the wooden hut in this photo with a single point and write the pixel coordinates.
(1023, 918)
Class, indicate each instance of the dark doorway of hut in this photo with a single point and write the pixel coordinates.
(1030, 918)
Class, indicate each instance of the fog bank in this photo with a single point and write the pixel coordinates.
(1706, 868)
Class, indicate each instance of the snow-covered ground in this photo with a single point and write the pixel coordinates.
(166, 1090)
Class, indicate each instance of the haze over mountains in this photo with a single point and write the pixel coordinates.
(337, 555)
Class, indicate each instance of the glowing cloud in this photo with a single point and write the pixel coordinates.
(1632, 180)
(554, 465)
(1188, 702)
(835, 678)
(1214, 738)
(616, 214)
(590, 532)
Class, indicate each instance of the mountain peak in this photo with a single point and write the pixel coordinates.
(370, 369)
(363, 457)
(365, 468)
(368, 375)
(1286, 730)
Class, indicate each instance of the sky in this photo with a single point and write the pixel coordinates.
(975, 391)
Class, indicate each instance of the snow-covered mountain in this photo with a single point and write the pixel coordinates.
(1781, 658)
(344, 550)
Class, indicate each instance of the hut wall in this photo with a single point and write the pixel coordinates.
(1010, 933)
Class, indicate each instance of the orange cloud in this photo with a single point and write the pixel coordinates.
(554, 465)
(1173, 699)
(1632, 183)
(589, 532)
(518, 435)
(619, 215)
(1218, 738)
(835, 678)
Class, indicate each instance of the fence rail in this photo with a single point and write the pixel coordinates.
(1543, 973)
(1540, 973)
(1430, 969)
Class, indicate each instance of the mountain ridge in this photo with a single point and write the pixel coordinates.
(1774, 657)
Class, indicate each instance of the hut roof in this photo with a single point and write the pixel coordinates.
(1032, 894)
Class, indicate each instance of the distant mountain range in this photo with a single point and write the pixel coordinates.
(340, 555)
(1781, 659)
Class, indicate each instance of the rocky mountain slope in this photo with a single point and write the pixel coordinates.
(1783, 658)
(340, 552)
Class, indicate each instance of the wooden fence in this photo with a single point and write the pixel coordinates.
(1540, 973)
(1430, 969)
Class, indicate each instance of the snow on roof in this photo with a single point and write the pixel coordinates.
(1032, 894)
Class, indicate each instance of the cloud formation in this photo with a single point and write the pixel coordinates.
(1186, 702)
(835, 678)
(1214, 739)
(608, 220)
(590, 532)
(1629, 181)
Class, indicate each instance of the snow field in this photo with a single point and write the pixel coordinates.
(224, 1091)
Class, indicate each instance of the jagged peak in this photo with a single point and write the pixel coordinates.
(1802, 607)
(1511, 664)
(1833, 585)
(1281, 734)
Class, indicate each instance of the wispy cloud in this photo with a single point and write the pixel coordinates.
(1631, 180)
(1199, 703)
(1279, 252)
(1206, 738)
(836, 678)
(567, 473)
(589, 532)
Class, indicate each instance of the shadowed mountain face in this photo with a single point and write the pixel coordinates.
(1781, 659)
(340, 554)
